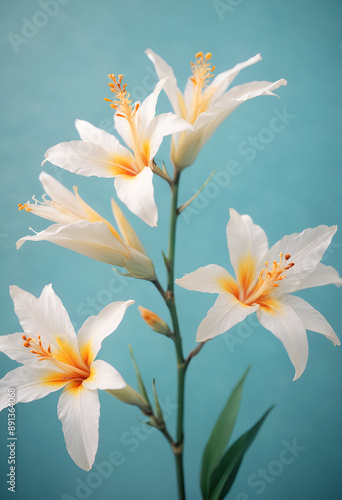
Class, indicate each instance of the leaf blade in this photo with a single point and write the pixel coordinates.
(223, 476)
(220, 435)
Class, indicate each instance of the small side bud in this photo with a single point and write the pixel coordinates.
(131, 397)
(154, 321)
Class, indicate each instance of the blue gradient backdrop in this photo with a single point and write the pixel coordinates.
(290, 181)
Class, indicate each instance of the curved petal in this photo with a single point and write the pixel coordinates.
(60, 194)
(96, 328)
(83, 158)
(103, 376)
(320, 276)
(311, 318)
(124, 130)
(137, 193)
(30, 384)
(222, 81)
(208, 121)
(171, 89)
(93, 239)
(140, 265)
(127, 231)
(95, 135)
(79, 411)
(247, 245)
(227, 312)
(45, 316)
(210, 279)
(162, 125)
(305, 249)
(13, 346)
(147, 109)
(281, 320)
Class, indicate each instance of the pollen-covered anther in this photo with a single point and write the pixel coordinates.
(36, 347)
(201, 70)
(122, 101)
(24, 207)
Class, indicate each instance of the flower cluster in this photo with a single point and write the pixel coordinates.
(55, 357)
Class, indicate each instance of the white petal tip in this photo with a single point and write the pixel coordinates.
(43, 162)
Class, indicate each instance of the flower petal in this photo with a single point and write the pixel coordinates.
(95, 135)
(96, 328)
(210, 279)
(79, 411)
(147, 109)
(45, 316)
(92, 239)
(13, 346)
(85, 158)
(60, 194)
(320, 276)
(137, 193)
(305, 249)
(171, 89)
(281, 320)
(247, 244)
(30, 384)
(127, 231)
(163, 125)
(222, 81)
(208, 121)
(140, 265)
(311, 318)
(103, 376)
(227, 312)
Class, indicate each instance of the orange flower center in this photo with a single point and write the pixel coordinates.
(73, 367)
(268, 279)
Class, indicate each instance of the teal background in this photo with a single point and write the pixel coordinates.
(292, 182)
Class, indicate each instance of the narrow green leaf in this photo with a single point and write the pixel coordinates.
(158, 413)
(141, 385)
(220, 435)
(223, 476)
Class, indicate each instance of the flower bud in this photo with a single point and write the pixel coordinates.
(130, 396)
(155, 322)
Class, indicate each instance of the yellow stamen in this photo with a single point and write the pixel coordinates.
(269, 278)
(71, 370)
(124, 107)
(24, 207)
(201, 74)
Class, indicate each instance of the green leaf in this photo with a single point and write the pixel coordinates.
(141, 385)
(220, 435)
(223, 476)
(158, 413)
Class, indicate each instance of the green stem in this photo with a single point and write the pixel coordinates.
(169, 298)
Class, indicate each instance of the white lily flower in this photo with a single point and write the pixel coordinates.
(100, 154)
(264, 288)
(54, 358)
(204, 105)
(83, 230)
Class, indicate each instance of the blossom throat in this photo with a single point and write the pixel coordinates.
(268, 279)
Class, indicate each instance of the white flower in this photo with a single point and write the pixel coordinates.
(204, 105)
(264, 279)
(54, 358)
(83, 230)
(101, 154)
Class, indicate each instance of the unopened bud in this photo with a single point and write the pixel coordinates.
(155, 322)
